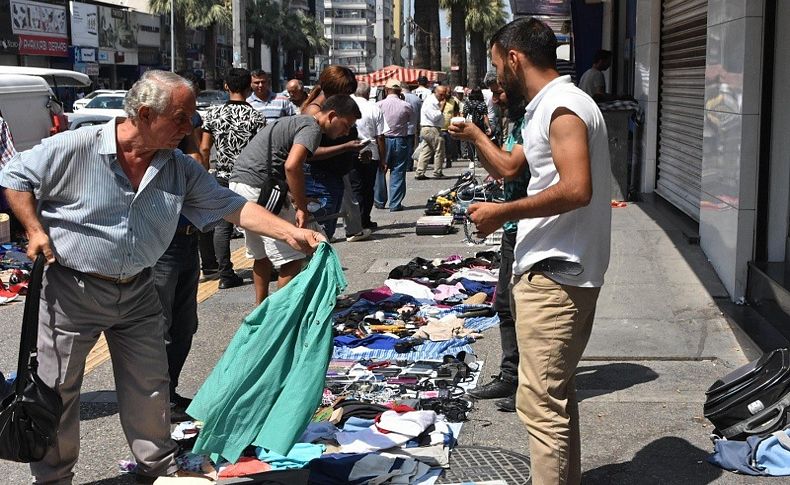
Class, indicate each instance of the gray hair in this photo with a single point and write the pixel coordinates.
(363, 90)
(154, 89)
(490, 78)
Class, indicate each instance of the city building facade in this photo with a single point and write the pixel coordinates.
(360, 33)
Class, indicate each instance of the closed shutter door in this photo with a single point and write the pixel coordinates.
(681, 99)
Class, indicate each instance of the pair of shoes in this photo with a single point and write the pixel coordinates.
(420, 177)
(378, 206)
(496, 389)
(370, 225)
(231, 282)
(507, 404)
(360, 236)
(396, 209)
(209, 276)
(178, 408)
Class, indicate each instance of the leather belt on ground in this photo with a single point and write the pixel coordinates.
(558, 266)
(118, 281)
(187, 230)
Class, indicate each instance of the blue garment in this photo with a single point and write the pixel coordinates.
(97, 221)
(428, 350)
(328, 190)
(396, 300)
(473, 287)
(397, 161)
(300, 455)
(265, 387)
(357, 424)
(375, 341)
(735, 455)
(332, 469)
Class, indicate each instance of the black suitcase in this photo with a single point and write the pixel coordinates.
(753, 399)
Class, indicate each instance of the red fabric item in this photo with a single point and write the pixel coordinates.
(399, 408)
(403, 74)
(245, 466)
(375, 296)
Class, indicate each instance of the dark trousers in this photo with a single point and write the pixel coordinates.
(327, 189)
(507, 324)
(363, 179)
(208, 260)
(222, 235)
(176, 277)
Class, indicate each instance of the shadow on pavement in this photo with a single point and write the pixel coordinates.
(666, 460)
(598, 380)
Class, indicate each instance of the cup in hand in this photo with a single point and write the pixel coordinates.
(457, 120)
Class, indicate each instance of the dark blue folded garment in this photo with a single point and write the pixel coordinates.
(375, 341)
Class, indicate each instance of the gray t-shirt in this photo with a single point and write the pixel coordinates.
(252, 166)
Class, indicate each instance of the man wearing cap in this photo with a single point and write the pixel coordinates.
(397, 113)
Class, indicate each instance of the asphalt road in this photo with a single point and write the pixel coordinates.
(659, 341)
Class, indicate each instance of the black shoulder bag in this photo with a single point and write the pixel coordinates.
(274, 190)
(30, 416)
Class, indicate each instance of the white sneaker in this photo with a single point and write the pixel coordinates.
(360, 236)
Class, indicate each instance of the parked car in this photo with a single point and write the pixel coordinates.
(211, 97)
(80, 103)
(30, 108)
(83, 118)
(105, 104)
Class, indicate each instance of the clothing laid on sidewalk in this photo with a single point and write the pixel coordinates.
(264, 388)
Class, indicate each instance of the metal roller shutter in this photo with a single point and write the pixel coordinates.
(681, 100)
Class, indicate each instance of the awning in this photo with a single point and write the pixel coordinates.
(403, 74)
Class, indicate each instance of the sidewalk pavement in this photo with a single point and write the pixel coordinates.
(658, 342)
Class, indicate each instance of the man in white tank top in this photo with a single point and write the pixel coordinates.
(562, 245)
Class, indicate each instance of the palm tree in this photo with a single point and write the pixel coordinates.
(265, 23)
(427, 41)
(305, 39)
(457, 22)
(483, 18)
(196, 14)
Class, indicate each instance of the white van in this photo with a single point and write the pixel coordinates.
(30, 109)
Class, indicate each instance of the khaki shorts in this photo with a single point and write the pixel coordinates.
(263, 247)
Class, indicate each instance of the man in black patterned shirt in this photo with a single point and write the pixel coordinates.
(229, 128)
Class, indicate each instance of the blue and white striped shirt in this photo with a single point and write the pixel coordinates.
(96, 222)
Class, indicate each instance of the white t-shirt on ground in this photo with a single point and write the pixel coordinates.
(582, 235)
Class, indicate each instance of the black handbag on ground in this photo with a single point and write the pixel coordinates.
(274, 191)
(753, 399)
(30, 416)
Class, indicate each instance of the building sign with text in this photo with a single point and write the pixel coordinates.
(41, 28)
(84, 25)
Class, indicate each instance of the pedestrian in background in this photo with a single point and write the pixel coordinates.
(229, 127)
(451, 110)
(422, 91)
(431, 123)
(296, 94)
(593, 81)
(562, 244)
(326, 169)
(264, 100)
(476, 111)
(397, 114)
(413, 130)
(371, 127)
(102, 224)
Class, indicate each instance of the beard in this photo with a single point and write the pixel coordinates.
(511, 85)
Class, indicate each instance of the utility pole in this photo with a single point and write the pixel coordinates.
(239, 34)
(172, 35)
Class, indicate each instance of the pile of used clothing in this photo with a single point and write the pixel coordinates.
(352, 390)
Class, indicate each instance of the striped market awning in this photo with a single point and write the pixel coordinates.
(403, 74)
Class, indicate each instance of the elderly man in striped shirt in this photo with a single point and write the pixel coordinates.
(102, 204)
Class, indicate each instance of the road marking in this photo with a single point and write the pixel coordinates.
(101, 353)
